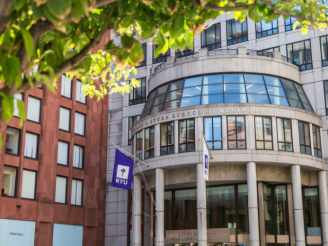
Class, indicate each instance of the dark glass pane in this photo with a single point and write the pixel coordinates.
(176, 85)
(279, 101)
(173, 95)
(268, 209)
(168, 209)
(311, 206)
(171, 105)
(281, 210)
(185, 209)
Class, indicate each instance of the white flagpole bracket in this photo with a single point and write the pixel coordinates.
(128, 154)
(208, 148)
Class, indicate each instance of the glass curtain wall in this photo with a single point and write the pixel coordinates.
(138, 94)
(211, 37)
(236, 31)
(264, 29)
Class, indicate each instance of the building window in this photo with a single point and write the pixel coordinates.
(28, 184)
(186, 135)
(316, 141)
(79, 127)
(31, 145)
(20, 98)
(263, 133)
(267, 52)
(64, 119)
(236, 132)
(138, 94)
(284, 128)
(264, 29)
(80, 96)
(77, 192)
(213, 132)
(144, 52)
(149, 142)
(161, 57)
(66, 87)
(305, 139)
(62, 156)
(211, 37)
(132, 120)
(12, 141)
(33, 109)
(9, 179)
(236, 32)
(324, 50)
(185, 52)
(289, 22)
(61, 188)
(78, 156)
(139, 145)
(167, 138)
(300, 52)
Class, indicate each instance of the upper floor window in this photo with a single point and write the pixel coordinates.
(138, 94)
(236, 32)
(264, 29)
(213, 132)
(64, 119)
(325, 85)
(28, 184)
(289, 22)
(19, 97)
(79, 127)
(324, 50)
(300, 52)
(186, 135)
(12, 141)
(33, 109)
(66, 87)
(78, 156)
(316, 141)
(263, 133)
(144, 51)
(161, 57)
(236, 132)
(9, 181)
(284, 128)
(149, 142)
(185, 52)
(31, 145)
(211, 37)
(266, 51)
(132, 120)
(62, 156)
(80, 96)
(77, 191)
(61, 189)
(139, 145)
(305, 139)
(167, 138)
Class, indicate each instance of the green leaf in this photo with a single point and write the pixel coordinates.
(1, 142)
(261, 5)
(110, 45)
(8, 107)
(275, 2)
(10, 68)
(78, 9)
(6, 38)
(21, 111)
(305, 29)
(177, 26)
(18, 4)
(58, 7)
(128, 42)
(46, 81)
(37, 11)
(28, 41)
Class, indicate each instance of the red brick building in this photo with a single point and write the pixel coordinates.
(53, 169)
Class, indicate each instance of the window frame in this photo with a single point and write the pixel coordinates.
(69, 119)
(144, 62)
(16, 181)
(316, 149)
(61, 83)
(292, 24)
(37, 146)
(85, 123)
(68, 148)
(36, 178)
(160, 58)
(231, 20)
(216, 44)
(266, 31)
(130, 128)
(166, 136)
(40, 110)
(135, 101)
(179, 134)
(151, 150)
(324, 90)
(22, 101)
(65, 189)
(214, 141)
(83, 157)
(19, 141)
(299, 136)
(139, 154)
(291, 131)
(81, 193)
(263, 132)
(292, 58)
(86, 98)
(236, 133)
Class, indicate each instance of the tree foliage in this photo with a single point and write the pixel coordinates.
(58, 36)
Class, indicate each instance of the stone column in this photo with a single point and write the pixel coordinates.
(136, 222)
(252, 205)
(323, 196)
(201, 207)
(298, 205)
(159, 207)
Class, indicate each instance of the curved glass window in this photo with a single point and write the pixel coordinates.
(226, 88)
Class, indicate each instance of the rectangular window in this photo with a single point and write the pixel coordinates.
(66, 87)
(132, 120)
(9, 178)
(77, 191)
(62, 155)
(144, 52)
(267, 52)
(263, 133)
(64, 119)
(316, 141)
(61, 188)
(79, 127)
(167, 138)
(236, 32)
(213, 132)
(80, 96)
(211, 37)
(324, 50)
(20, 98)
(284, 129)
(236, 132)
(264, 29)
(139, 145)
(185, 52)
(138, 94)
(160, 57)
(325, 86)
(312, 220)
(78, 156)
(289, 22)
(186, 135)
(149, 142)
(12, 141)
(33, 109)
(300, 53)
(31, 145)
(305, 139)
(28, 184)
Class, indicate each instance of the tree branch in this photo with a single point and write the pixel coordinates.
(5, 7)
(226, 9)
(101, 3)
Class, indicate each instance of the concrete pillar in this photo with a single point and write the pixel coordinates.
(136, 222)
(298, 205)
(277, 54)
(201, 207)
(203, 52)
(252, 205)
(159, 207)
(242, 50)
(170, 60)
(323, 196)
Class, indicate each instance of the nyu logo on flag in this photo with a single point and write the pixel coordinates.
(123, 169)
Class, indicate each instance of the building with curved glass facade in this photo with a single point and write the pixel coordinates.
(257, 92)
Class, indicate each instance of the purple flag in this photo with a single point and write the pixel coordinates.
(123, 170)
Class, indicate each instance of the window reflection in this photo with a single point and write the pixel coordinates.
(264, 29)
(236, 32)
(211, 37)
(311, 208)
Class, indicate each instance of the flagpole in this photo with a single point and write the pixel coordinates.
(208, 148)
(127, 153)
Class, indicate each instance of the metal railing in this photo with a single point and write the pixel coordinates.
(261, 53)
(163, 64)
(284, 58)
(191, 56)
(223, 52)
